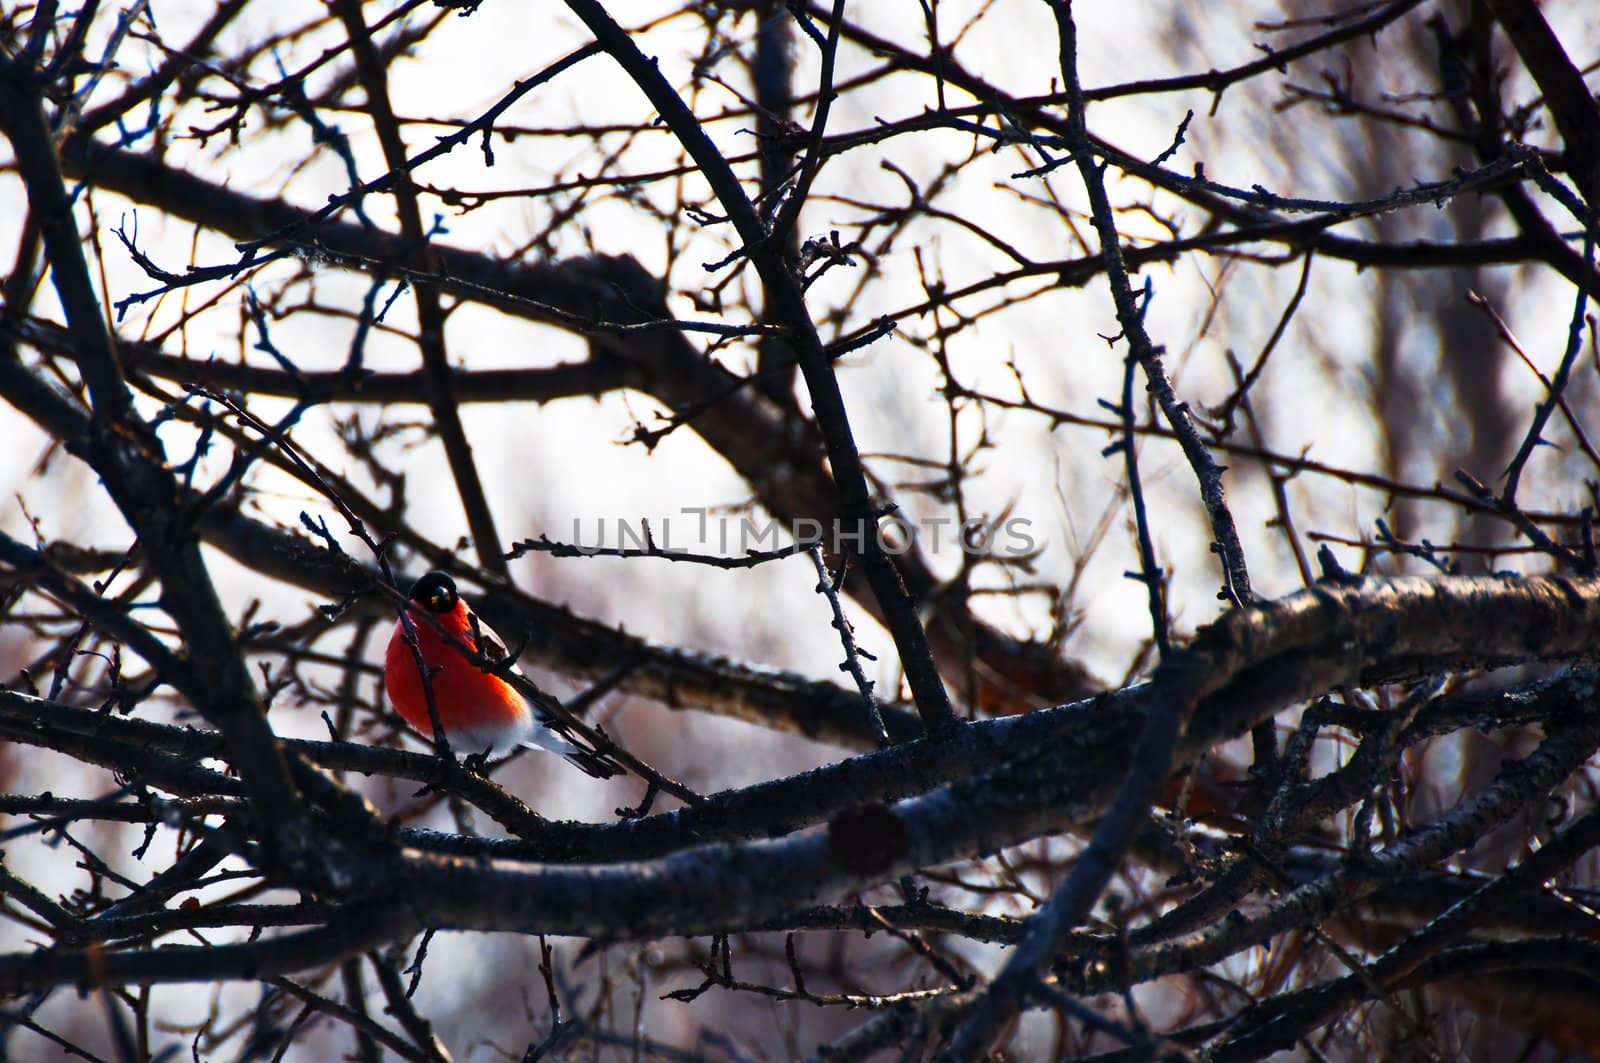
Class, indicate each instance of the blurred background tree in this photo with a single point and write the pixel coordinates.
(1170, 415)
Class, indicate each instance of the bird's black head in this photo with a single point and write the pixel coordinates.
(436, 592)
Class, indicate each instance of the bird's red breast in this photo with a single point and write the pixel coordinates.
(469, 700)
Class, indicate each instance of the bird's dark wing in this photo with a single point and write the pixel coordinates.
(592, 761)
(487, 642)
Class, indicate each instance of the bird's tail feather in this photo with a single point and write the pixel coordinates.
(590, 761)
(596, 764)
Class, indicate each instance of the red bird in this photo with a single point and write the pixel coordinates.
(480, 711)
